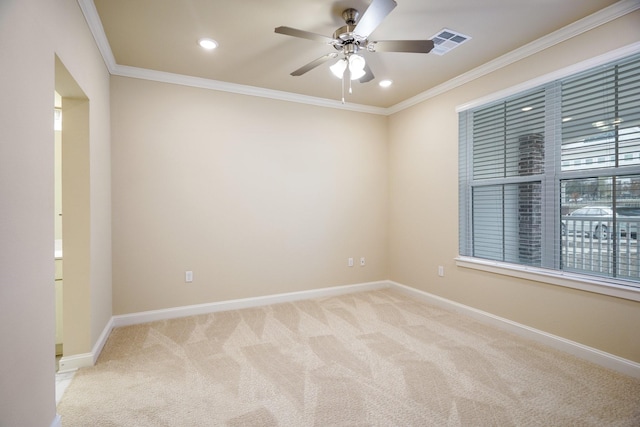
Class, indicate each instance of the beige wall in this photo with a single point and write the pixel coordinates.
(424, 206)
(76, 224)
(57, 218)
(255, 196)
(31, 34)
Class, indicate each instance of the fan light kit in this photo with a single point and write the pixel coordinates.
(353, 37)
(355, 63)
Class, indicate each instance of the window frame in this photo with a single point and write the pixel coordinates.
(551, 273)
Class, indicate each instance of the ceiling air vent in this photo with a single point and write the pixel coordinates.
(446, 40)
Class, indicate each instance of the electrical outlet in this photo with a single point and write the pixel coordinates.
(188, 276)
(350, 262)
(440, 271)
(362, 262)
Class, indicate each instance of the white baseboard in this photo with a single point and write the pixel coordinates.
(193, 310)
(590, 354)
(607, 360)
(74, 362)
(57, 421)
(102, 339)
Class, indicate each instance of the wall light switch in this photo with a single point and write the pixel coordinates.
(440, 271)
(188, 276)
(350, 262)
(362, 262)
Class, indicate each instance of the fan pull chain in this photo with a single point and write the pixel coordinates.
(342, 85)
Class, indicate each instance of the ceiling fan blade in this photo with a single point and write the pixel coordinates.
(411, 46)
(313, 64)
(288, 31)
(373, 16)
(368, 75)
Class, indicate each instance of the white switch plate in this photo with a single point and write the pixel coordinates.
(350, 262)
(188, 276)
(440, 271)
(362, 262)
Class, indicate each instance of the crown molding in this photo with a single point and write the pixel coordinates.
(590, 22)
(183, 80)
(95, 26)
(578, 67)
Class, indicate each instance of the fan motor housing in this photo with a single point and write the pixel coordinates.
(345, 33)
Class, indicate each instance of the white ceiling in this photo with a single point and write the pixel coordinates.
(161, 36)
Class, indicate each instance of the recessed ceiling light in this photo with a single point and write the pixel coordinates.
(208, 44)
(385, 83)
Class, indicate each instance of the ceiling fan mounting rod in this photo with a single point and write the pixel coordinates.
(350, 16)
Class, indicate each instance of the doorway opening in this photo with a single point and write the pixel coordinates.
(71, 216)
(57, 127)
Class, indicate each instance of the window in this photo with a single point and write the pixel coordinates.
(550, 177)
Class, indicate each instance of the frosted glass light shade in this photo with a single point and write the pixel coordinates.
(356, 66)
(338, 68)
(355, 75)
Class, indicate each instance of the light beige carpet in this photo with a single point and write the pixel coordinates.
(369, 359)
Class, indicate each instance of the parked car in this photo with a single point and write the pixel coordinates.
(597, 222)
(630, 217)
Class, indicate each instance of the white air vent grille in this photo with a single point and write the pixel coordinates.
(446, 40)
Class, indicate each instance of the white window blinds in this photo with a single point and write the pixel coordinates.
(551, 177)
(600, 115)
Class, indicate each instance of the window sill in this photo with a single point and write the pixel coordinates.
(610, 287)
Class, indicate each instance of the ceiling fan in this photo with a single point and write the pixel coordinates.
(354, 36)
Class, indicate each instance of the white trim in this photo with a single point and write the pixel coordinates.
(194, 310)
(181, 79)
(602, 286)
(590, 22)
(57, 421)
(95, 26)
(601, 17)
(607, 360)
(555, 75)
(590, 354)
(102, 340)
(75, 362)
